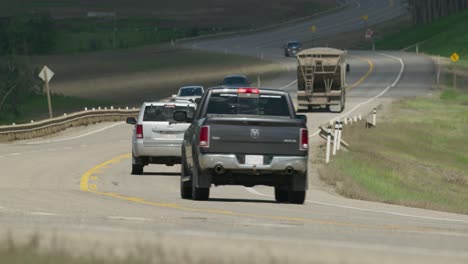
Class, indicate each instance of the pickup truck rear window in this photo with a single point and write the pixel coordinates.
(263, 105)
(164, 113)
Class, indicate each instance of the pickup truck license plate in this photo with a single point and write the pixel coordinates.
(253, 159)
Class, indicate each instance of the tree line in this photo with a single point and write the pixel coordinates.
(426, 11)
(19, 38)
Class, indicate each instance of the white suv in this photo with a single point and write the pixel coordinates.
(157, 139)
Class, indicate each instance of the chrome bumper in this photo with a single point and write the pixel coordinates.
(230, 162)
(157, 150)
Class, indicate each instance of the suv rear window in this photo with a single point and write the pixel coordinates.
(259, 105)
(157, 113)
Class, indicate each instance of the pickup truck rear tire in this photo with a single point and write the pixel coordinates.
(281, 195)
(137, 169)
(297, 197)
(198, 194)
(185, 187)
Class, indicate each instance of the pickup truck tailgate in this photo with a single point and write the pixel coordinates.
(255, 136)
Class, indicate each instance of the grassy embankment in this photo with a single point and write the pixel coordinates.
(418, 157)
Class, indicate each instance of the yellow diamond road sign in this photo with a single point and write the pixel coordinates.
(365, 18)
(314, 28)
(455, 57)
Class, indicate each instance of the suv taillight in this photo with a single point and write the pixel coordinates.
(304, 142)
(139, 131)
(204, 138)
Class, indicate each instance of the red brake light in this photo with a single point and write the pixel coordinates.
(248, 90)
(139, 131)
(304, 142)
(204, 137)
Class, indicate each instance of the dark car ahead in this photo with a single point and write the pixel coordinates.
(235, 81)
(248, 137)
(292, 48)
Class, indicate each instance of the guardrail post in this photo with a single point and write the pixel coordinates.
(94, 109)
(335, 137)
(14, 124)
(99, 108)
(355, 119)
(86, 108)
(360, 117)
(340, 128)
(374, 117)
(112, 108)
(346, 121)
(105, 108)
(64, 114)
(32, 121)
(126, 108)
(327, 157)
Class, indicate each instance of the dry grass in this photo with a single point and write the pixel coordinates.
(419, 158)
(36, 250)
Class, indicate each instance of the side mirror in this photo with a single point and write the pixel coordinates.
(131, 121)
(180, 116)
(197, 100)
(348, 68)
(302, 117)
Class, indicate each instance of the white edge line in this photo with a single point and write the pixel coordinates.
(253, 191)
(128, 218)
(80, 136)
(397, 80)
(287, 85)
(43, 213)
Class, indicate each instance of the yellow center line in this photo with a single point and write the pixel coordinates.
(366, 75)
(92, 188)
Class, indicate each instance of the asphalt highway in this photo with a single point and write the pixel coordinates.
(77, 185)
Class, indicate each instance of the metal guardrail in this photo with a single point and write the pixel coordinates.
(57, 124)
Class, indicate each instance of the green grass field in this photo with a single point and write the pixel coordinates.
(442, 37)
(35, 108)
(418, 158)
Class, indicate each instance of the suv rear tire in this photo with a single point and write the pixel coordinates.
(137, 169)
(281, 195)
(297, 197)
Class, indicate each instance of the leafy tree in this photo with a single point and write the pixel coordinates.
(426, 11)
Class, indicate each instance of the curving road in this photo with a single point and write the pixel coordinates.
(77, 185)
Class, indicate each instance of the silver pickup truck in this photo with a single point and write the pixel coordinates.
(245, 136)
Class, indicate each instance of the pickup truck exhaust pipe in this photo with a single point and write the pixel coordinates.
(289, 171)
(218, 169)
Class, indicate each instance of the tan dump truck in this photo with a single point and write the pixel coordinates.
(321, 79)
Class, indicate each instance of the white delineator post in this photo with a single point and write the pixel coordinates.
(374, 117)
(340, 128)
(335, 138)
(327, 157)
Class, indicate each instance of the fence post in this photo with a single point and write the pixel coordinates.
(340, 128)
(335, 137)
(329, 131)
(374, 117)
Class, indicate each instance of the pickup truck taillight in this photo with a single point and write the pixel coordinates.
(139, 131)
(304, 142)
(204, 138)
